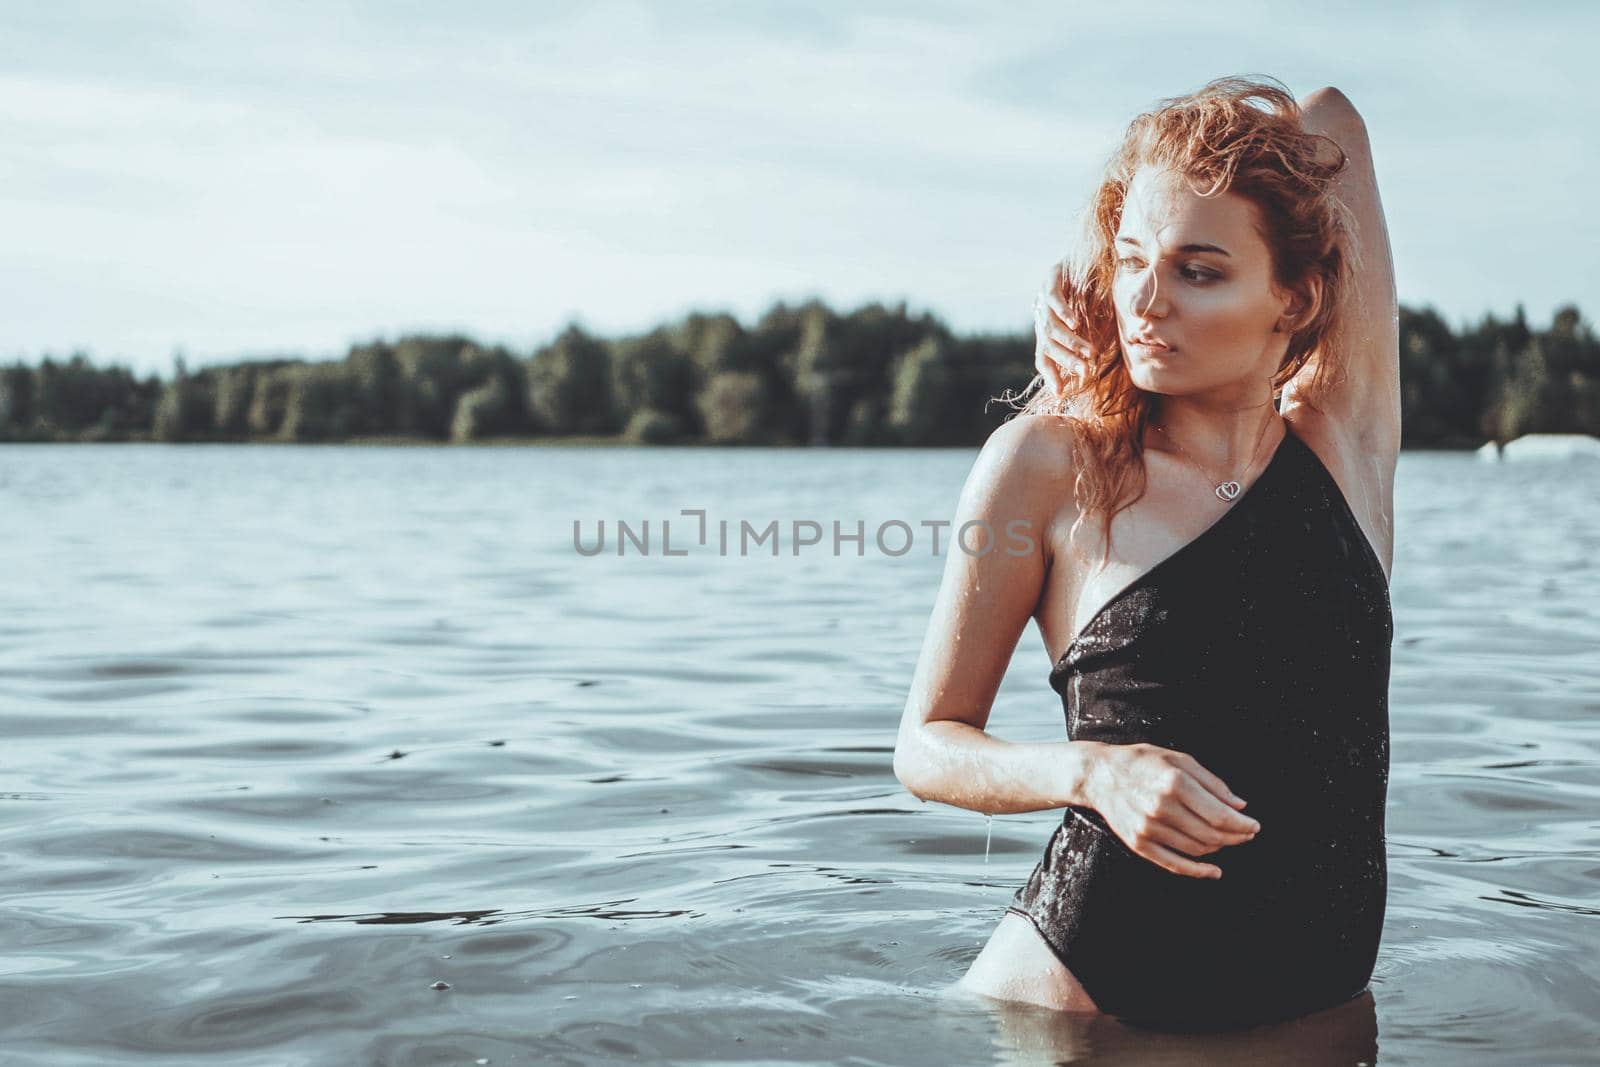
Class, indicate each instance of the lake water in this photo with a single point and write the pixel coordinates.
(293, 734)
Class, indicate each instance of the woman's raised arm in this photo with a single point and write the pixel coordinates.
(985, 599)
(1364, 403)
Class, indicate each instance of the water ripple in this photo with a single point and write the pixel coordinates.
(327, 755)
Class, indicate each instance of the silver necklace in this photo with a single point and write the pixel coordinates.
(1229, 489)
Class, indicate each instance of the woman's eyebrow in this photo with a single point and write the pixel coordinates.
(1185, 248)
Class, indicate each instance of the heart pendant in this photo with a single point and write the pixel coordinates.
(1228, 490)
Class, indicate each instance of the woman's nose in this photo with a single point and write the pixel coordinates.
(1148, 300)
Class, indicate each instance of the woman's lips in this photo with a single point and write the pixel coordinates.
(1150, 347)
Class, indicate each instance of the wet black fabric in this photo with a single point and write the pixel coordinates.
(1261, 648)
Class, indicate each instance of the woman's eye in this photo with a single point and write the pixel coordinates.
(1191, 273)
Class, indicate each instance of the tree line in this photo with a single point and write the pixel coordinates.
(801, 375)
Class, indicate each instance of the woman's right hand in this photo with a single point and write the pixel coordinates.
(1059, 353)
(1166, 807)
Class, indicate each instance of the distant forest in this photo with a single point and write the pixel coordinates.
(802, 375)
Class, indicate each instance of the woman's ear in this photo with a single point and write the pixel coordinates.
(1304, 303)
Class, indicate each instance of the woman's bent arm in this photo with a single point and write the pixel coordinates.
(958, 764)
(1365, 402)
(993, 579)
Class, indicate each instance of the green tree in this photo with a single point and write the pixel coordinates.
(569, 386)
(1533, 400)
(269, 400)
(381, 391)
(651, 427)
(321, 404)
(817, 376)
(16, 401)
(235, 388)
(736, 409)
(495, 403)
(185, 411)
(652, 372)
(714, 343)
(433, 374)
(922, 383)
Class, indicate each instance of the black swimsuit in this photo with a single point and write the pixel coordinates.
(1260, 648)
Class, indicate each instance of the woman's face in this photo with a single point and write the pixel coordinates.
(1193, 272)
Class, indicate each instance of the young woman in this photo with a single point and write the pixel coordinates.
(1208, 475)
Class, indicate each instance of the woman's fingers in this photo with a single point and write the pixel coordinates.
(1059, 313)
(1048, 366)
(1056, 359)
(1053, 377)
(1049, 369)
(1165, 857)
(1206, 805)
(1164, 812)
(1050, 311)
(1179, 840)
(1211, 781)
(1058, 283)
(1068, 362)
(1196, 836)
(1066, 340)
(1207, 801)
(1060, 353)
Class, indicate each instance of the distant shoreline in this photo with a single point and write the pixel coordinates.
(799, 377)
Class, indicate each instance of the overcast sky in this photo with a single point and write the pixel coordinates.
(237, 179)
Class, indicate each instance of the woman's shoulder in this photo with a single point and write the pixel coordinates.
(1025, 470)
(1031, 449)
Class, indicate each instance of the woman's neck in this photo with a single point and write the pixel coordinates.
(1222, 436)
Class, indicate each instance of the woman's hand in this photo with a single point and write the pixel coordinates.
(1059, 354)
(1164, 805)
